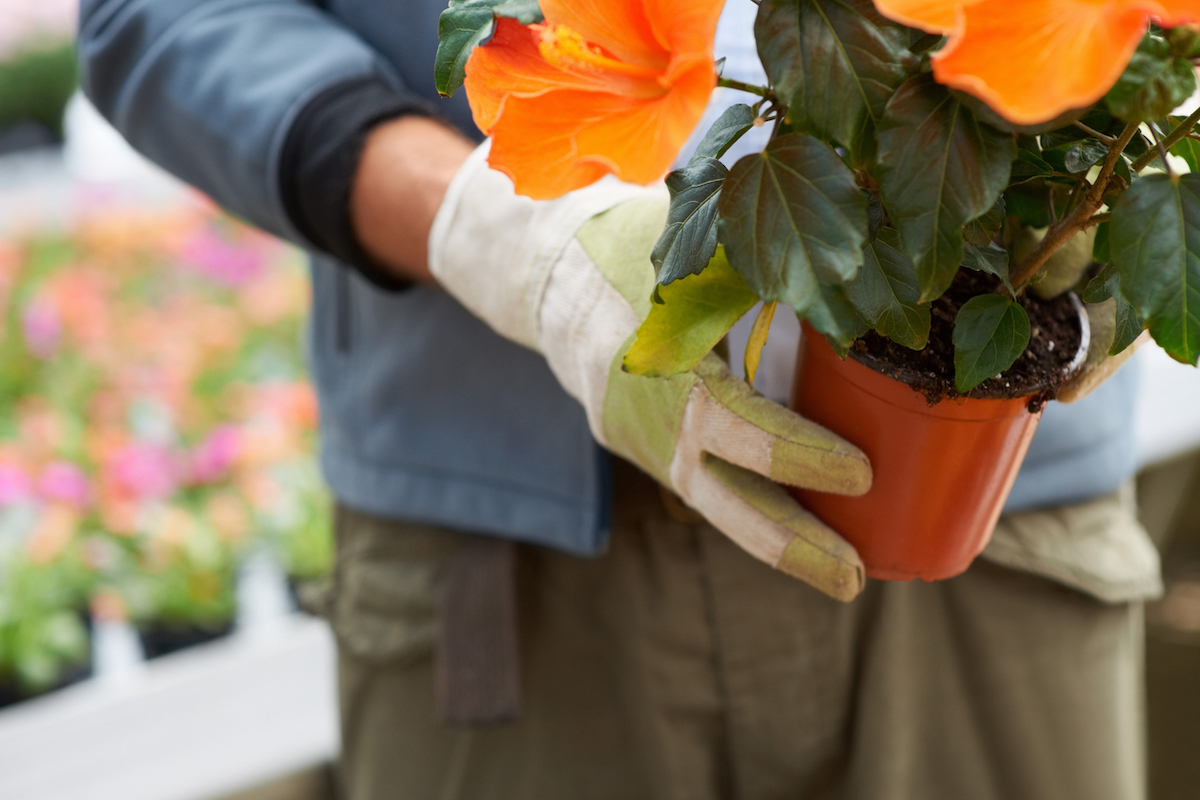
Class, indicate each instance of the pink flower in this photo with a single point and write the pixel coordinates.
(228, 263)
(42, 327)
(212, 459)
(144, 471)
(64, 482)
(15, 485)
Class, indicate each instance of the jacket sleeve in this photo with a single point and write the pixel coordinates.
(210, 89)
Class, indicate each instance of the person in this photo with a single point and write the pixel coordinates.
(520, 613)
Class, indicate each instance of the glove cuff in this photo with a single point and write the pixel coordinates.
(494, 250)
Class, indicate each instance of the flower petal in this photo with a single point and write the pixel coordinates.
(534, 141)
(510, 64)
(1031, 60)
(1171, 13)
(935, 16)
(685, 27)
(556, 142)
(640, 144)
(619, 26)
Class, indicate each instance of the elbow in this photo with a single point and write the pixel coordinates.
(114, 37)
(96, 81)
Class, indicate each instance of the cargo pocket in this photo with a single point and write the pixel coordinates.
(1098, 548)
(384, 604)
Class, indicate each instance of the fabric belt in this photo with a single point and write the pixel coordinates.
(478, 662)
(477, 653)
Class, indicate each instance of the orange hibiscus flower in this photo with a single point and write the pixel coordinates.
(602, 86)
(1031, 60)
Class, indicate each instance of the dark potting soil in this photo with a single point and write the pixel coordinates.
(1038, 373)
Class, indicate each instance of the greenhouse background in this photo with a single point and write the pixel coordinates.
(158, 489)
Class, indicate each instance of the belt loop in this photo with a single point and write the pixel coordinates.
(477, 655)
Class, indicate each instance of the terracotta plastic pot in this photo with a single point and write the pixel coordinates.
(942, 472)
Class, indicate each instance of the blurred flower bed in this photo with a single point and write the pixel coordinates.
(155, 425)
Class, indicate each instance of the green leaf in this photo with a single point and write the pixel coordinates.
(1029, 165)
(1186, 148)
(1103, 286)
(791, 217)
(688, 242)
(836, 318)
(1082, 156)
(982, 230)
(990, 333)
(758, 340)
(1100, 250)
(1098, 119)
(1185, 41)
(1154, 84)
(886, 291)
(835, 63)
(1029, 204)
(729, 127)
(1129, 324)
(466, 24)
(940, 167)
(1155, 245)
(696, 313)
(990, 259)
(921, 42)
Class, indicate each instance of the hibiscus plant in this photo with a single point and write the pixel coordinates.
(910, 139)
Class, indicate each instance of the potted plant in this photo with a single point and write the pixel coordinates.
(303, 536)
(44, 629)
(939, 176)
(176, 581)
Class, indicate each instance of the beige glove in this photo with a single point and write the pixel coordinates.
(1099, 366)
(571, 278)
(1063, 272)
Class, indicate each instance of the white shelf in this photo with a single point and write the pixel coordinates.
(195, 725)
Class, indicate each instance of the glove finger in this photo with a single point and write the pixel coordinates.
(764, 520)
(732, 421)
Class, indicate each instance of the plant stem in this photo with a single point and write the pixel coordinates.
(730, 83)
(1079, 219)
(1095, 134)
(1181, 131)
(1162, 151)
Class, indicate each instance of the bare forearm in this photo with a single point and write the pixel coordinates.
(405, 168)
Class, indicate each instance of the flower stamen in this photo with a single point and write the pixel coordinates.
(570, 52)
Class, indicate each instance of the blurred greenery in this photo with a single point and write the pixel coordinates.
(36, 83)
(42, 628)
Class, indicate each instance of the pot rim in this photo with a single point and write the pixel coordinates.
(907, 377)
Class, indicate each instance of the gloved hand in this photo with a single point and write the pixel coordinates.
(1063, 272)
(571, 278)
(1099, 366)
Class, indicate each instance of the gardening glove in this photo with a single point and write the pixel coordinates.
(1099, 366)
(1062, 273)
(571, 278)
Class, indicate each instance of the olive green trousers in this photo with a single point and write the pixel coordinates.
(676, 666)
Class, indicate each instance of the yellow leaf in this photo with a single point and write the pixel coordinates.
(758, 339)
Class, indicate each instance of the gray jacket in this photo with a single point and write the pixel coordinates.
(426, 415)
